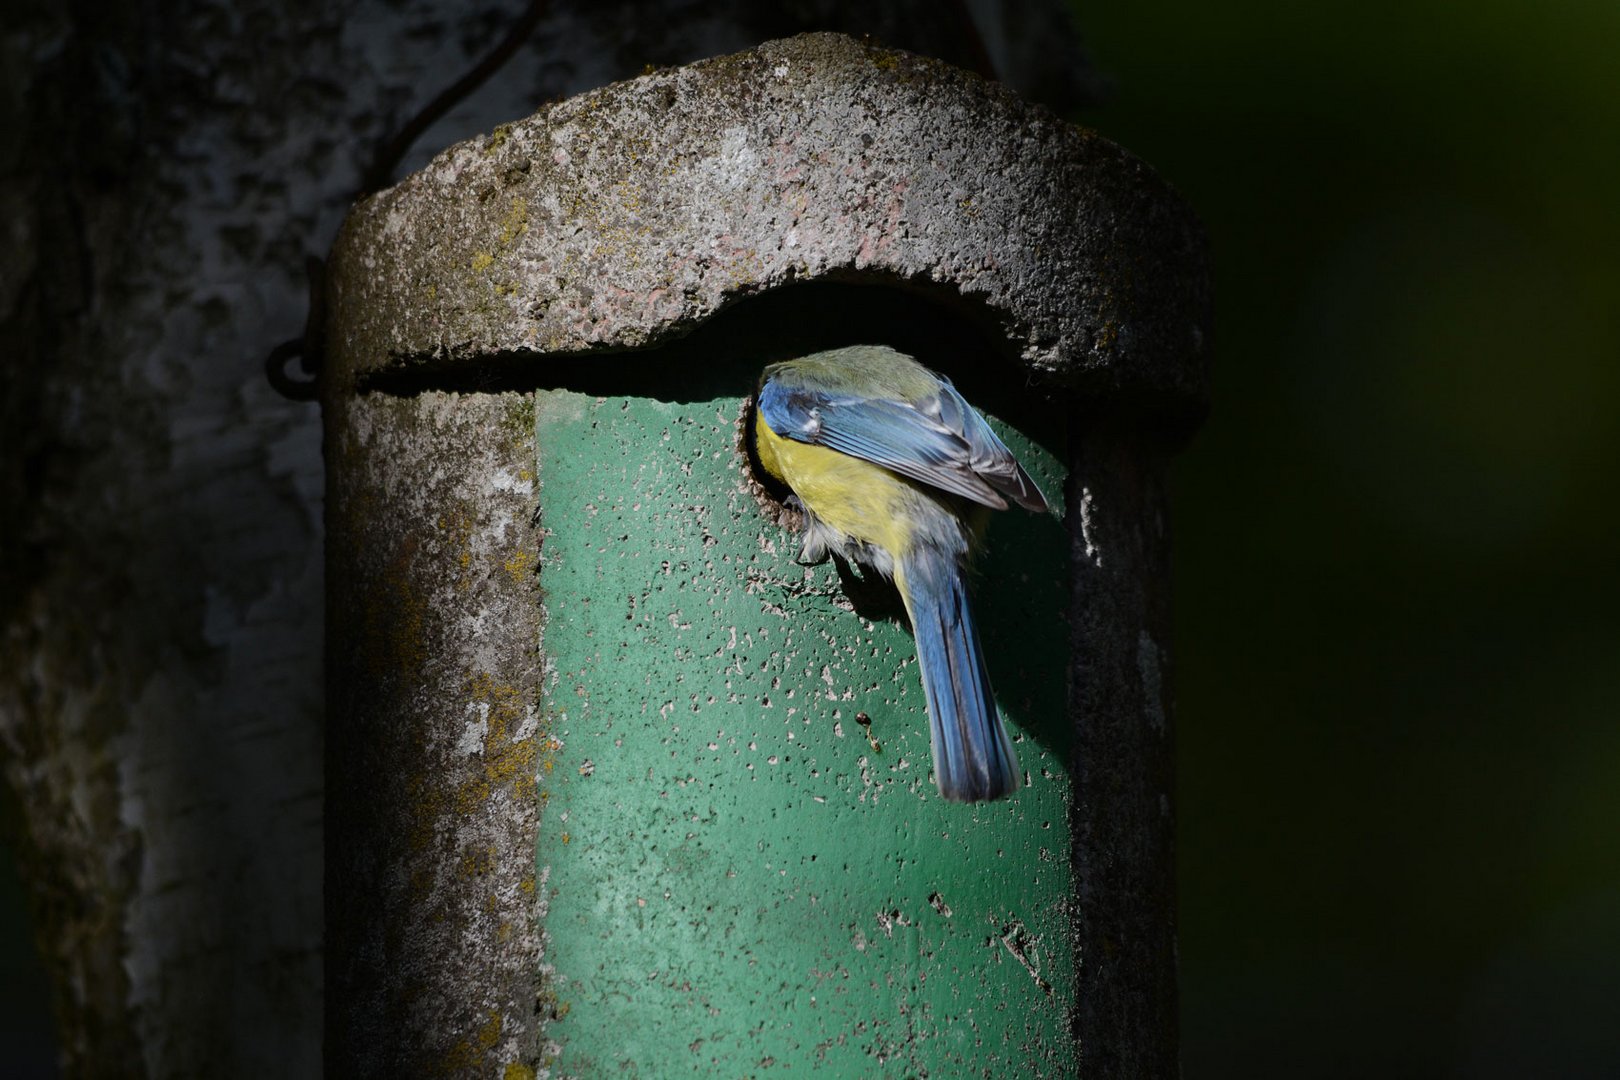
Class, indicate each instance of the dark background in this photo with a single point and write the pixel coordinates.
(1397, 651)
(1397, 655)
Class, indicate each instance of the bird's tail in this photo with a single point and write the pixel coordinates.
(973, 757)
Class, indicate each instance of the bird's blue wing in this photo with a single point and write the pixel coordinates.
(988, 456)
(939, 440)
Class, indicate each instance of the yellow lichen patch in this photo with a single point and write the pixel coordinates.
(490, 1033)
(457, 525)
(515, 223)
(507, 760)
(423, 875)
(517, 1071)
(548, 753)
(426, 802)
(396, 616)
(467, 1054)
(476, 862)
(517, 423)
(482, 261)
(629, 195)
(519, 566)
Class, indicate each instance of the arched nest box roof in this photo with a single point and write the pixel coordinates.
(625, 217)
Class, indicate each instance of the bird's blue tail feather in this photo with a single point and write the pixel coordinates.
(973, 756)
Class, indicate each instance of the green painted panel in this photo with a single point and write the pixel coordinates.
(734, 880)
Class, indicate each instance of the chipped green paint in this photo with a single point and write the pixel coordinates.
(735, 880)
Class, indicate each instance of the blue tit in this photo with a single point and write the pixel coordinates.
(894, 472)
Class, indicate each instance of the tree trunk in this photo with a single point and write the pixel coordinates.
(164, 173)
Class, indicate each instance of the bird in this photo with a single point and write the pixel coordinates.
(894, 472)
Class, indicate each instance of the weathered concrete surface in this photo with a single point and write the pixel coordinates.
(622, 217)
(1120, 704)
(735, 869)
(164, 168)
(639, 239)
(434, 624)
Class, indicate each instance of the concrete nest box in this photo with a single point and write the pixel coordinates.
(614, 782)
(626, 217)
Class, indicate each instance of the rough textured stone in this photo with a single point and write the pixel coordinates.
(623, 217)
(1123, 767)
(164, 169)
(687, 226)
(435, 627)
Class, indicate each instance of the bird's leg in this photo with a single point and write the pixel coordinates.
(814, 549)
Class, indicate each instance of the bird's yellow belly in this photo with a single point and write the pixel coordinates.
(864, 501)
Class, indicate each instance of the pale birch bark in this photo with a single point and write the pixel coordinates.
(164, 171)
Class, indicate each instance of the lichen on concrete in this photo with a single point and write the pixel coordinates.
(623, 217)
(642, 217)
(435, 735)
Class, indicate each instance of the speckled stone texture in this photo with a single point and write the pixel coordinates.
(434, 625)
(622, 217)
(653, 232)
